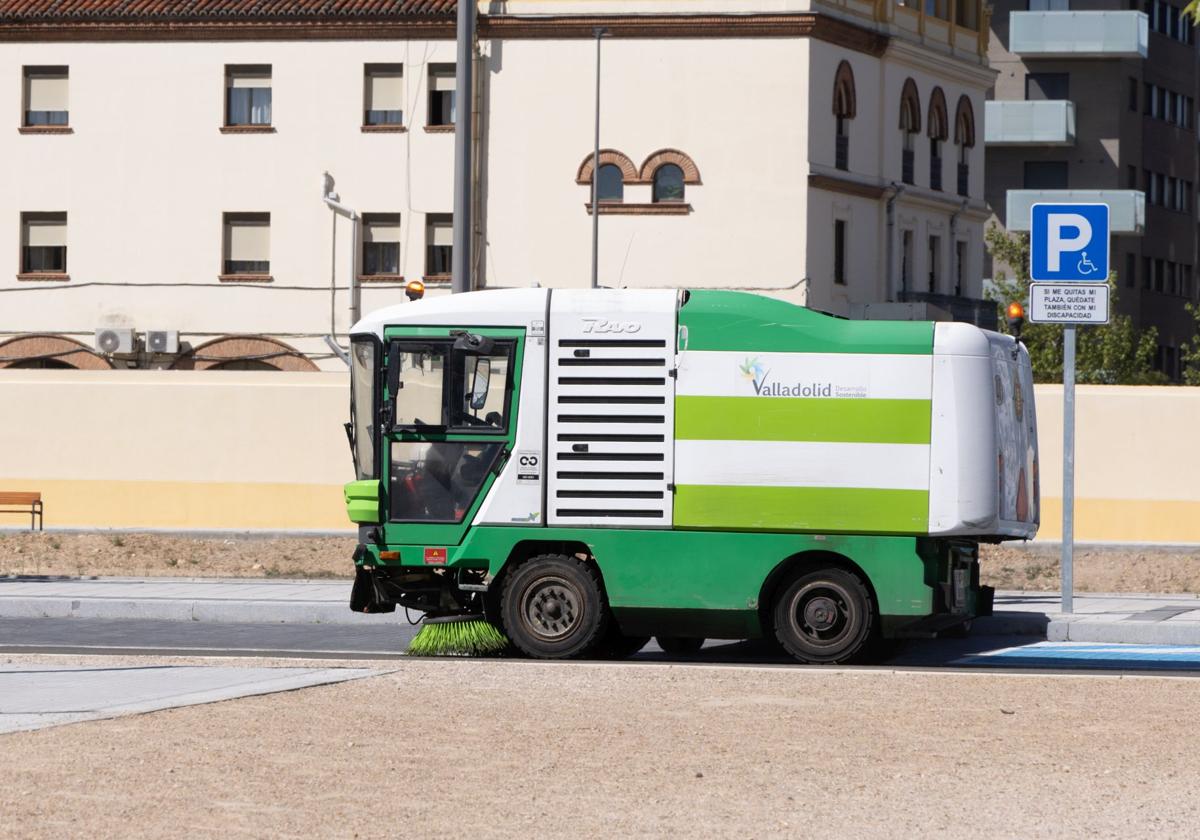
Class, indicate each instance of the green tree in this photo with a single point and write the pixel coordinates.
(1113, 354)
(1189, 354)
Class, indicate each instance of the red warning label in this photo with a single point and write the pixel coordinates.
(435, 556)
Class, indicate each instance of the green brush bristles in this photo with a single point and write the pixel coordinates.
(457, 635)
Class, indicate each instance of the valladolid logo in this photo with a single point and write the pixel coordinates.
(754, 370)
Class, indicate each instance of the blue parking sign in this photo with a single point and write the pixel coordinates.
(1068, 242)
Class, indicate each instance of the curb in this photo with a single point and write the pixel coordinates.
(1087, 629)
(211, 611)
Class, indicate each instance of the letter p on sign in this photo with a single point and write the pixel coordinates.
(1069, 242)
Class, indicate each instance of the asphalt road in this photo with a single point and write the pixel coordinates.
(327, 641)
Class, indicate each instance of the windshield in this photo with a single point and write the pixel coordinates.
(362, 407)
(439, 387)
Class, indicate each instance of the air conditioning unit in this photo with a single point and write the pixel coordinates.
(162, 341)
(114, 341)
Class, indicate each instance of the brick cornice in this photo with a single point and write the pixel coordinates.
(793, 25)
(662, 208)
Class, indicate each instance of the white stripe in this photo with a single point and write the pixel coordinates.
(718, 373)
(884, 466)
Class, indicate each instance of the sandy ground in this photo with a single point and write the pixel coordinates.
(492, 749)
(1115, 569)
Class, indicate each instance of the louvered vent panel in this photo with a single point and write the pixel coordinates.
(611, 410)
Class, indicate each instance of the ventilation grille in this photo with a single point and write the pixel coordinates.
(611, 429)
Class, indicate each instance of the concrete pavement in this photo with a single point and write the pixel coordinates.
(37, 696)
(1141, 619)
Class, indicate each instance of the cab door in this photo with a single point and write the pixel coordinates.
(449, 422)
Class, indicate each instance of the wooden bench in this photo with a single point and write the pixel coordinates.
(17, 502)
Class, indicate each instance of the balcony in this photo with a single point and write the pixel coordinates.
(1035, 123)
(1126, 208)
(1119, 34)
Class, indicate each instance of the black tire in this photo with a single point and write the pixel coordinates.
(824, 617)
(553, 607)
(680, 645)
(617, 645)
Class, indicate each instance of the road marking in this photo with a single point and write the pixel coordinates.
(1086, 654)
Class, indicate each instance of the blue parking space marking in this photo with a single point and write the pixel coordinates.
(1089, 655)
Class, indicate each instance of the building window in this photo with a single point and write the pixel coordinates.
(906, 257)
(960, 262)
(844, 106)
(938, 133)
(935, 262)
(247, 248)
(381, 244)
(964, 136)
(1045, 175)
(1130, 271)
(439, 244)
(610, 186)
(43, 243)
(839, 252)
(1049, 5)
(442, 110)
(1133, 94)
(1042, 86)
(910, 125)
(383, 94)
(247, 95)
(1159, 275)
(45, 96)
(1147, 272)
(668, 184)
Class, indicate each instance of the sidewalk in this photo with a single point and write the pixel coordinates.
(1136, 619)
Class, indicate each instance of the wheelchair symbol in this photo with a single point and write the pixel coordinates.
(1086, 266)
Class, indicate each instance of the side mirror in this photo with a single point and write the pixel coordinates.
(479, 345)
(480, 380)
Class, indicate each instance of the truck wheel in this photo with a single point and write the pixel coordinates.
(679, 645)
(552, 607)
(824, 617)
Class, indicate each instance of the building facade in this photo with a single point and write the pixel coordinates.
(163, 210)
(1095, 100)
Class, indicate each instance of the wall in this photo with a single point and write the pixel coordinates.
(267, 451)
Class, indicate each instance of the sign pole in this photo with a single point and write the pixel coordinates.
(1068, 520)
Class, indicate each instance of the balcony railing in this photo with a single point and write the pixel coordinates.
(1126, 208)
(1036, 123)
(981, 313)
(1114, 34)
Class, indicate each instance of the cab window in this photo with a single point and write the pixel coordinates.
(438, 387)
(437, 481)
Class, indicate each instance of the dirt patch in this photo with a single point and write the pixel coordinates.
(1096, 569)
(137, 555)
(496, 749)
(1036, 568)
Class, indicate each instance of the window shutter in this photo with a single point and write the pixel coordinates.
(441, 77)
(47, 92)
(441, 233)
(385, 89)
(382, 229)
(249, 240)
(46, 232)
(249, 77)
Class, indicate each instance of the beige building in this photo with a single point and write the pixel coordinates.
(162, 208)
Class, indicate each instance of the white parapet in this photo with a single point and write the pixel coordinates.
(1126, 208)
(1115, 34)
(1035, 123)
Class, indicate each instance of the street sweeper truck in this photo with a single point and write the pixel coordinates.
(574, 471)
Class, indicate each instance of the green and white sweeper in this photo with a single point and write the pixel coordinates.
(583, 469)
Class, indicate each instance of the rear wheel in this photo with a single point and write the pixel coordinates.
(824, 617)
(553, 607)
(679, 645)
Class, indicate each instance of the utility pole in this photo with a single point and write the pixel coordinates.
(599, 32)
(460, 269)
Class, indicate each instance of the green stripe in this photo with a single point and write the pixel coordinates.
(822, 509)
(801, 419)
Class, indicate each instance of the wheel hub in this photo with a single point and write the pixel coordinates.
(820, 613)
(552, 609)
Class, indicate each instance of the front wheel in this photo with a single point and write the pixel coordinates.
(553, 607)
(824, 617)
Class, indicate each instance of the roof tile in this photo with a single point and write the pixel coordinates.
(47, 11)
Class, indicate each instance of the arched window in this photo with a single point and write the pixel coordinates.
(668, 183)
(964, 136)
(611, 185)
(843, 111)
(49, 351)
(938, 134)
(910, 126)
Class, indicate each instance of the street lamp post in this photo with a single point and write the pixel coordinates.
(599, 32)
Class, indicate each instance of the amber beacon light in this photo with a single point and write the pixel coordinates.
(1016, 319)
(415, 290)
